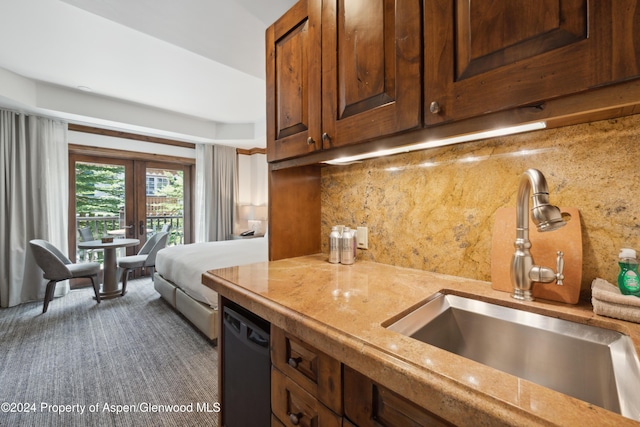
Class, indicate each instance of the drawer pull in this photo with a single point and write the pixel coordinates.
(295, 418)
(294, 362)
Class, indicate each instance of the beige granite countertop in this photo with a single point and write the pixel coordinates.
(341, 310)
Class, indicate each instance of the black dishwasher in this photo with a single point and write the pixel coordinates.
(246, 369)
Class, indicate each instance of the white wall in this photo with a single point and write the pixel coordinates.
(252, 192)
(253, 186)
(32, 97)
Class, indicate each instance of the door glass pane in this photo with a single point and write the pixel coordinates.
(100, 204)
(165, 203)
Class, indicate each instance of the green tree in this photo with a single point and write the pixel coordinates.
(173, 192)
(99, 189)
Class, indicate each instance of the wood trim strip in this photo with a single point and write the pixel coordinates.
(128, 155)
(251, 151)
(128, 135)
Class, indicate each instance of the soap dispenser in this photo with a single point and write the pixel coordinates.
(628, 279)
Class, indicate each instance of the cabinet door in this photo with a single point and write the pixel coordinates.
(368, 404)
(295, 407)
(483, 56)
(293, 82)
(371, 62)
(317, 373)
(621, 19)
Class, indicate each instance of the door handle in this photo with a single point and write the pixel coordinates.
(141, 228)
(129, 229)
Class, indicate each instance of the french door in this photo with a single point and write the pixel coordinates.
(117, 197)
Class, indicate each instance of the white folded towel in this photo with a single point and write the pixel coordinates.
(608, 301)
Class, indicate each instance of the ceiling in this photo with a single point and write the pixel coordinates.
(177, 68)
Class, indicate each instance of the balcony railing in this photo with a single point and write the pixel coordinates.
(101, 226)
(176, 233)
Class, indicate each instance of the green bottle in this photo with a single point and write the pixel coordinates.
(628, 279)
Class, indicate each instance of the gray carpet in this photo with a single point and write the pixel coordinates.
(133, 353)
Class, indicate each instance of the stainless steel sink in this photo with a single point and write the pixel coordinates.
(597, 365)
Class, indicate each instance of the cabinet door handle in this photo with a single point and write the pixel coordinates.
(326, 138)
(434, 107)
(560, 268)
(295, 418)
(294, 361)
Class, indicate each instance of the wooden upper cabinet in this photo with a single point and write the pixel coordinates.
(483, 56)
(340, 72)
(371, 69)
(619, 21)
(293, 82)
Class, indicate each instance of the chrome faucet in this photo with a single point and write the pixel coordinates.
(547, 218)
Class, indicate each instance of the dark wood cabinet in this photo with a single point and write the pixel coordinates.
(368, 404)
(293, 406)
(621, 23)
(371, 69)
(482, 57)
(306, 384)
(341, 72)
(350, 70)
(293, 82)
(316, 372)
(311, 388)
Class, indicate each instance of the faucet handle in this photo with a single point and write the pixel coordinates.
(560, 268)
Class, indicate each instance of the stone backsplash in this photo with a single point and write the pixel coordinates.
(434, 210)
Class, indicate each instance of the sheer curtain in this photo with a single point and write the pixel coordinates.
(34, 200)
(216, 192)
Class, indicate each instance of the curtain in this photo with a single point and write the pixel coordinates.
(216, 192)
(34, 201)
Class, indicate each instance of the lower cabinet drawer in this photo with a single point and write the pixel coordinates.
(368, 404)
(316, 372)
(295, 407)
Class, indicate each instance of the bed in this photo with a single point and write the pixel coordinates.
(178, 276)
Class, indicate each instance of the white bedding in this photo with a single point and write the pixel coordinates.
(184, 264)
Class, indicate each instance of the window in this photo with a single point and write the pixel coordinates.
(155, 183)
(117, 199)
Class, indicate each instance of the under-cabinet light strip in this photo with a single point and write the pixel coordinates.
(511, 130)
